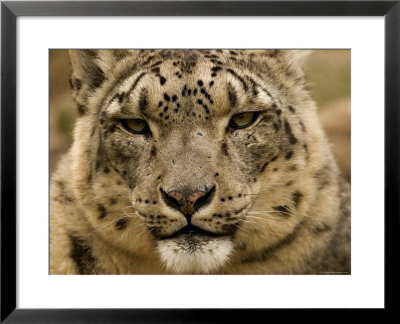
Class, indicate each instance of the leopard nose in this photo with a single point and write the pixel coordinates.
(188, 202)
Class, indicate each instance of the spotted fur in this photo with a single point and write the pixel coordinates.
(194, 194)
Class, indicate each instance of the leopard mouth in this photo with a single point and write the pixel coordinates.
(191, 231)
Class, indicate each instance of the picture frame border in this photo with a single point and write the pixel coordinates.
(11, 10)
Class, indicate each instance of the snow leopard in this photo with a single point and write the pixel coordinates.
(197, 161)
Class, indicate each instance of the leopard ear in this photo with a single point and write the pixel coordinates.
(90, 68)
(291, 57)
(292, 62)
(86, 70)
(296, 58)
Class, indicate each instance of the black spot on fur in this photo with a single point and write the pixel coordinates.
(81, 254)
(121, 224)
(106, 170)
(296, 197)
(166, 97)
(119, 96)
(254, 86)
(135, 83)
(264, 166)
(102, 210)
(289, 155)
(97, 77)
(216, 68)
(288, 130)
(75, 83)
(224, 148)
(291, 109)
(239, 78)
(156, 63)
(143, 100)
(148, 60)
(283, 210)
(81, 110)
(162, 80)
(61, 184)
(232, 95)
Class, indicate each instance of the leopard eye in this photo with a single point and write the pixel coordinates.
(243, 120)
(135, 126)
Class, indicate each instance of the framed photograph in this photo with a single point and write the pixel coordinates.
(186, 161)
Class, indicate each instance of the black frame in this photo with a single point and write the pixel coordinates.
(11, 10)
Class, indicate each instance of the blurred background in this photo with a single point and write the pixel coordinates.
(327, 71)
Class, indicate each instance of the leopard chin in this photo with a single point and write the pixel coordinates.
(194, 253)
